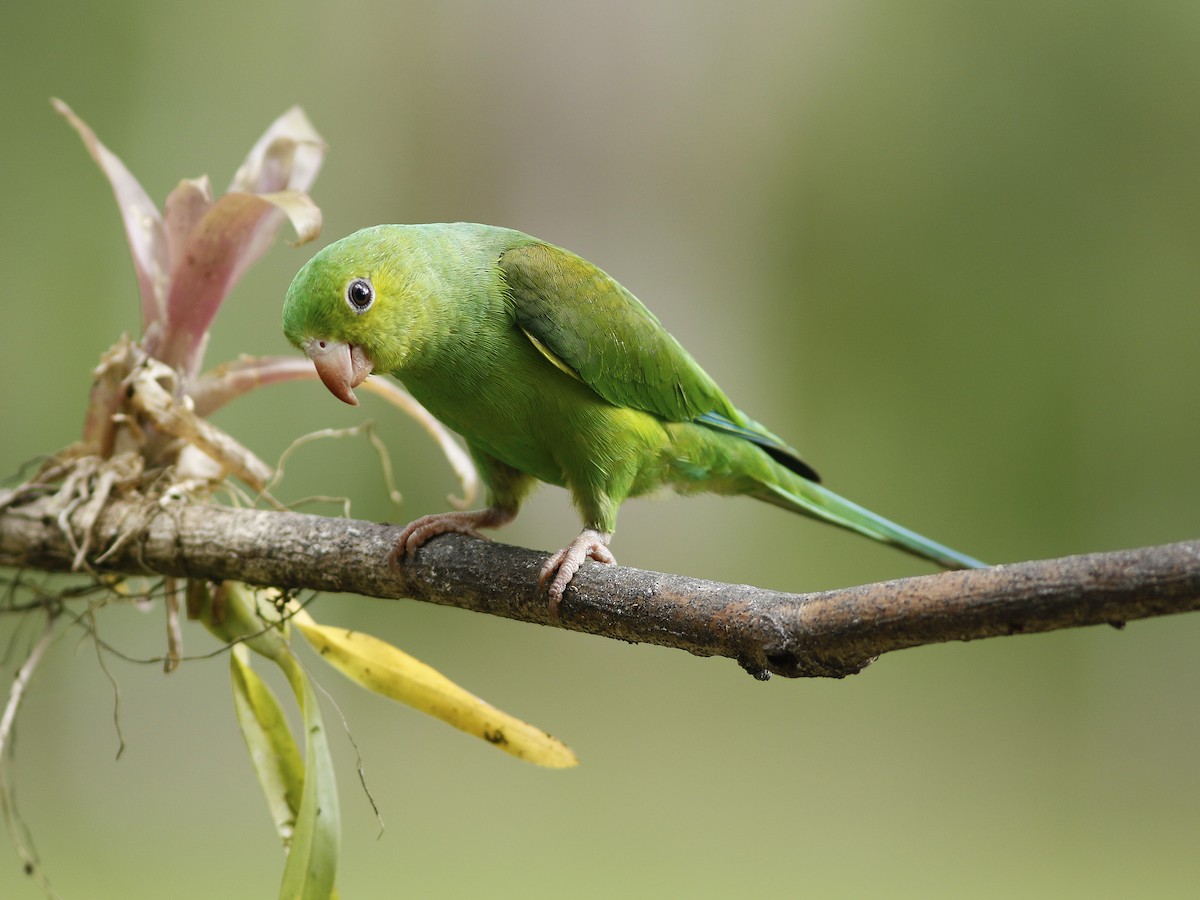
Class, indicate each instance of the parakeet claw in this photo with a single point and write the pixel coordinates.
(562, 566)
(417, 533)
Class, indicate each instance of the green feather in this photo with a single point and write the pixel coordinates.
(552, 371)
(606, 336)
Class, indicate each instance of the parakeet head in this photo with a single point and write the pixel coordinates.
(347, 310)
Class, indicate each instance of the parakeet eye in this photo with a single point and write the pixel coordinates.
(360, 295)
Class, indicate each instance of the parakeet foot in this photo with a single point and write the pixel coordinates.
(562, 566)
(423, 529)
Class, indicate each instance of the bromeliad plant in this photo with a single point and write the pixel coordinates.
(146, 435)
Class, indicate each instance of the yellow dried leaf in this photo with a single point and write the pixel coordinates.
(386, 670)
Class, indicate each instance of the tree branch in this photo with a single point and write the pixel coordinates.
(830, 633)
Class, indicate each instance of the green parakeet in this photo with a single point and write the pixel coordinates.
(551, 371)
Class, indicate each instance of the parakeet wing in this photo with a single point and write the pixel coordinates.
(602, 334)
(591, 327)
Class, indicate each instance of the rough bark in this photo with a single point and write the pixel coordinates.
(830, 633)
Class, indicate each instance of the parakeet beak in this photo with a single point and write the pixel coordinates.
(341, 366)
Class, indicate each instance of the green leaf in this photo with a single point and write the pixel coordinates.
(273, 750)
(232, 612)
(312, 859)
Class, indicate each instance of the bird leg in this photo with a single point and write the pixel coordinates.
(418, 532)
(563, 565)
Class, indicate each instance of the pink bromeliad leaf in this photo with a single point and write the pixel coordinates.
(143, 225)
(185, 207)
(287, 157)
(230, 236)
(188, 258)
(236, 230)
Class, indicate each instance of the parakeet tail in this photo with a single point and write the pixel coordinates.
(819, 502)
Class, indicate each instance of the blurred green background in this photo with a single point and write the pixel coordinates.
(949, 250)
